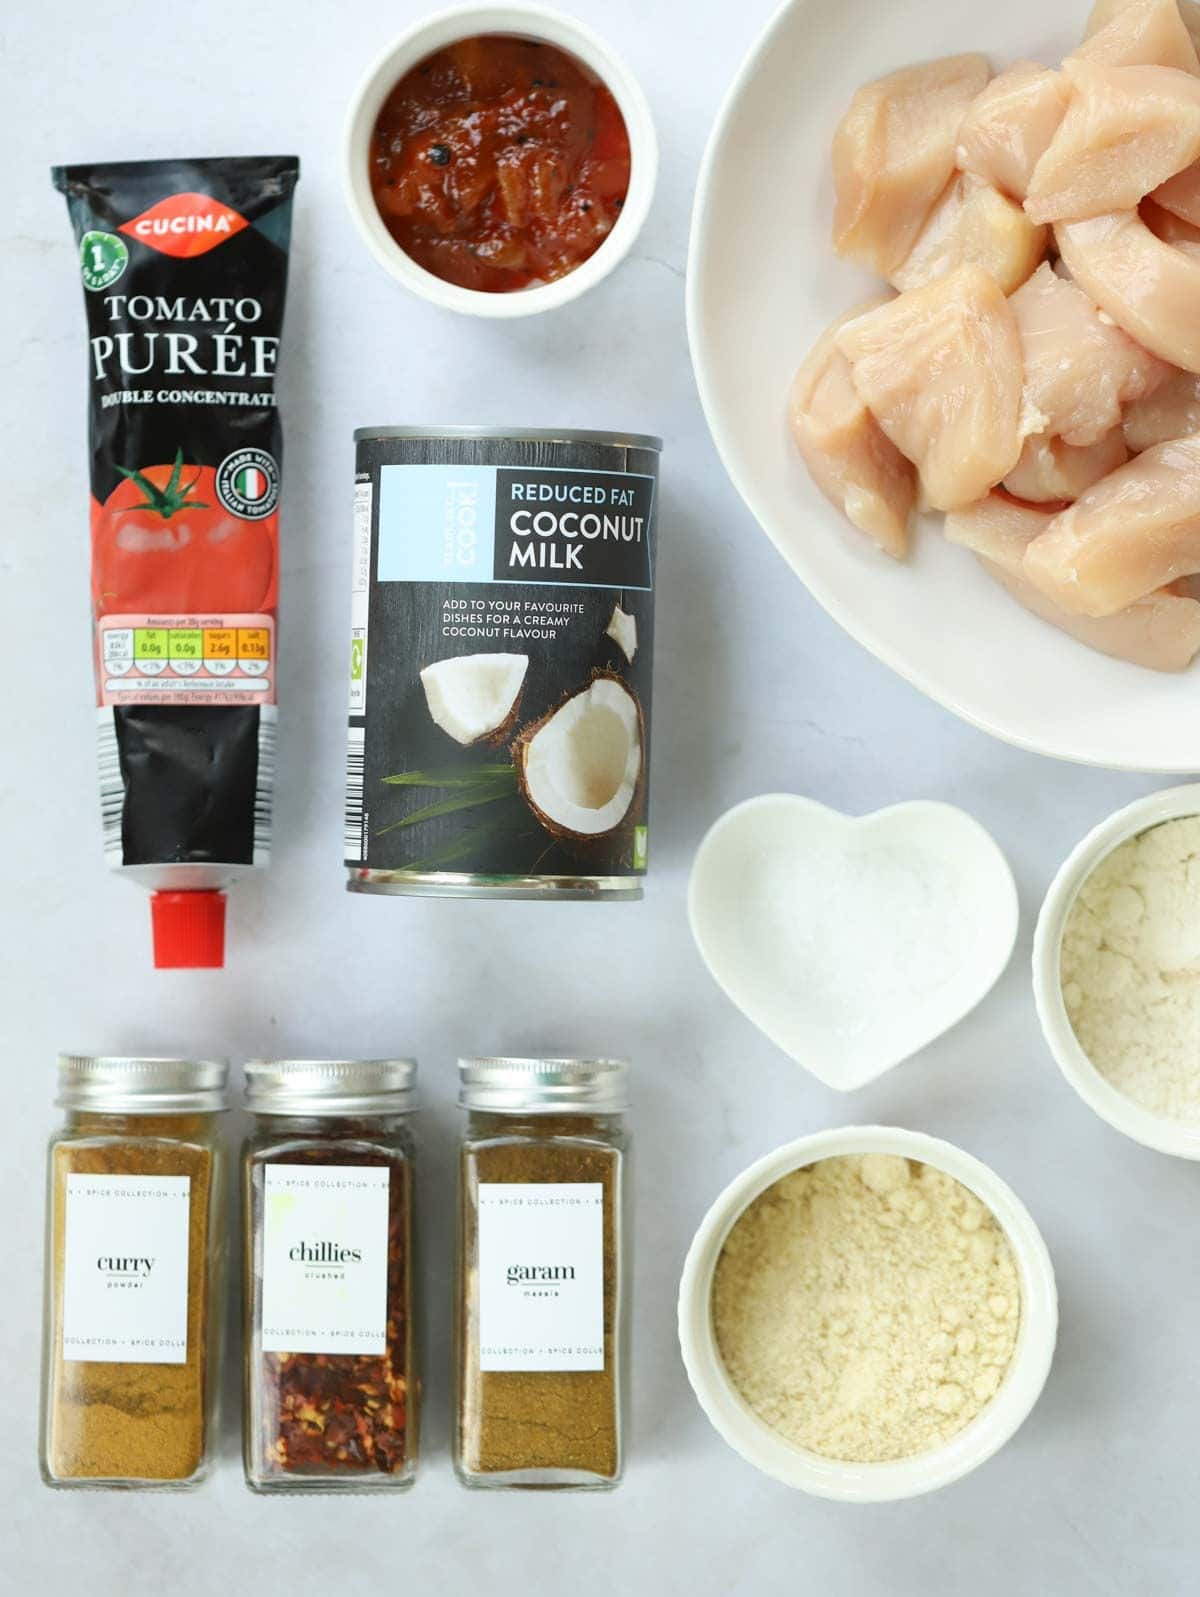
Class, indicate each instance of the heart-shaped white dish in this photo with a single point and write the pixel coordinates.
(852, 942)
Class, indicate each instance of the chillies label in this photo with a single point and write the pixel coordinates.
(324, 1261)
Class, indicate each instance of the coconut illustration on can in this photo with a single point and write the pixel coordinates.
(580, 767)
(474, 697)
(501, 663)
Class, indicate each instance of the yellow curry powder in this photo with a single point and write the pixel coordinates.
(126, 1421)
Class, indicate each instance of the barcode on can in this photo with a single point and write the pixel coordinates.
(112, 785)
(355, 755)
(264, 786)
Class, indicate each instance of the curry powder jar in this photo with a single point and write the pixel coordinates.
(134, 1257)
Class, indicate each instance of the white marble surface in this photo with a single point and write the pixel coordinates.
(756, 690)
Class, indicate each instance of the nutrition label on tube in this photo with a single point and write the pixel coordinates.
(187, 659)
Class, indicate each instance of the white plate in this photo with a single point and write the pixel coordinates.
(763, 282)
(851, 941)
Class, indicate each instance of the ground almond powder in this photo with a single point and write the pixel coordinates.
(867, 1307)
(1130, 968)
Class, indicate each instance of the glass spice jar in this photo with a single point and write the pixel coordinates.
(541, 1304)
(331, 1393)
(134, 1250)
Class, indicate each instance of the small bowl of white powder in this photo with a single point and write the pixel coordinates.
(867, 1314)
(1116, 970)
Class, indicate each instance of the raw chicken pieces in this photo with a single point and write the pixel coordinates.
(1171, 411)
(1008, 127)
(1181, 195)
(1161, 631)
(893, 154)
(1128, 33)
(974, 223)
(851, 461)
(1127, 129)
(1037, 374)
(1170, 228)
(1050, 469)
(1148, 287)
(940, 370)
(1079, 368)
(1134, 532)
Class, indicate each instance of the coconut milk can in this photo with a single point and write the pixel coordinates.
(500, 663)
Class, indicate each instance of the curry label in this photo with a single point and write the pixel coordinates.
(325, 1259)
(125, 1279)
(541, 1275)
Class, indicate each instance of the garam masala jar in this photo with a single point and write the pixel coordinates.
(541, 1305)
(133, 1259)
(331, 1392)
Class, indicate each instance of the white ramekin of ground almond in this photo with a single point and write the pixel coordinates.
(867, 1314)
(1116, 970)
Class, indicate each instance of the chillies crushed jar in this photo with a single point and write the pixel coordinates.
(331, 1391)
(500, 162)
(541, 1304)
(134, 1251)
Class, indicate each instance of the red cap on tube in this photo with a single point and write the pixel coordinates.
(189, 930)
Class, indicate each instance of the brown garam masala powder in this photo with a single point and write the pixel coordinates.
(550, 1426)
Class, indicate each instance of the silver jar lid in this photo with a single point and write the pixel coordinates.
(329, 1086)
(544, 1086)
(108, 1085)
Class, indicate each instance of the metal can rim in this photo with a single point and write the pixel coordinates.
(518, 435)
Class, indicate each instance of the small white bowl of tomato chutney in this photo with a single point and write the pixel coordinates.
(499, 160)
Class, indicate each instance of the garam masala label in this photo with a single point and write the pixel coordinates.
(541, 1275)
(125, 1292)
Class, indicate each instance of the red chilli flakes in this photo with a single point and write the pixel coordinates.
(333, 1413)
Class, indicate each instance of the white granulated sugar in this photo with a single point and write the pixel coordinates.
(867, 1307)
(1130, 968)
(867, 929)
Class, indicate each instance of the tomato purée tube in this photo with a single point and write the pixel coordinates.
(184, 267)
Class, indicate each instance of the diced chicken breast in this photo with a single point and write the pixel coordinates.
(1052, 470)
(1181, 194)
(854, 465)
(1129, 33)
(1148, 287)
(1189, 12)
(893, 154)
(1161, 631)
(1171, 411)
(1126, 130)
(1009, 126)
(973, 222)
(940, 370)
(1079, 368)
(1170, 228)
(1137, 530)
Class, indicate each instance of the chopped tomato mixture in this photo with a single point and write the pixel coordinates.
(499, 163)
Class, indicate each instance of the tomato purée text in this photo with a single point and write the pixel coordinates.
(499, 162)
